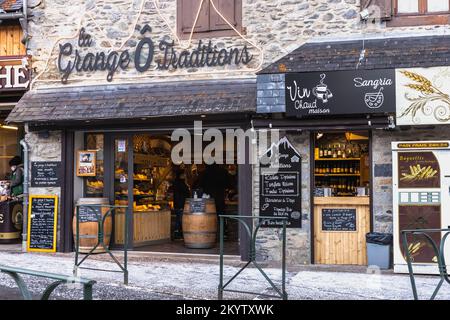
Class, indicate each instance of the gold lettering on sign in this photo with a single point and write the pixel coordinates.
(423, 145)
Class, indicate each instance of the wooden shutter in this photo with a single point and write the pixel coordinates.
(384, 5)
(188, 11)
(229, 9)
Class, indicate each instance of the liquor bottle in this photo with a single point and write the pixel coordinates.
(349, 151)
(329, 152)
(339, 151)
(351, 169)
(343, 152)
(334, 152)
(320, 152)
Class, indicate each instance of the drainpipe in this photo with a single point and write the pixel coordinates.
(25, 193)
(24, 22)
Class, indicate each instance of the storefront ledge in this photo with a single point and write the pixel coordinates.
(141, 256)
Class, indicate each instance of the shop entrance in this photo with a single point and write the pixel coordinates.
(341, 199)
(136, 170)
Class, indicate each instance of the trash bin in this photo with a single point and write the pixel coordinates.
(379, 249)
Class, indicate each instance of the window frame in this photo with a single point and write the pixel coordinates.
(210, 33)
(420, 18)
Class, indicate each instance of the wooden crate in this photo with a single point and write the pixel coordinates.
(149, 226)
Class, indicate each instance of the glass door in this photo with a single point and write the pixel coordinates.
(122, 188)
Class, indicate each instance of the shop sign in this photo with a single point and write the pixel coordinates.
(423, 145)
(206, 54)
(418, 170)
(280, 185)
(14, 73)
(423, 96)
(340, 92)
(42, 223)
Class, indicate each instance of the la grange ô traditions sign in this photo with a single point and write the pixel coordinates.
(71, 59)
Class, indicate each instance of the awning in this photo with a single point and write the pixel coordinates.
(380, 53)
(135, 101)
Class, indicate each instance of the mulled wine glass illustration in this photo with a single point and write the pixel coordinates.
(321, 91)
(374, 100)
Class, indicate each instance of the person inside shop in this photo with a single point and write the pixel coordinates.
(16, 176)
(180, 193)
(215, 180)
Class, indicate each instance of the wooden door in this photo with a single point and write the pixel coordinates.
(341, 247)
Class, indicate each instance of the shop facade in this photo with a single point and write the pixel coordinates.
(120, 79)
(327, 105)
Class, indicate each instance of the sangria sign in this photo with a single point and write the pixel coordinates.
(340, 92)
(205, 54)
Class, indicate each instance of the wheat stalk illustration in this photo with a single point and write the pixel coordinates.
(427, 93)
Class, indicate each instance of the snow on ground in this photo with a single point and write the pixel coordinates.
(190, 280)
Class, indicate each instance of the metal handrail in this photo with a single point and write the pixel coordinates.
(60, 279)
(282, 294)
(100, 239)
(438, 250)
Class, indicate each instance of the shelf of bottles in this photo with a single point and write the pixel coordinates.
(338, 166)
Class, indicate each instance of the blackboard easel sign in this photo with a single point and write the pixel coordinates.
(42, 223)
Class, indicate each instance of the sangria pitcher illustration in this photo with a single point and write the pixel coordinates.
(321, 91)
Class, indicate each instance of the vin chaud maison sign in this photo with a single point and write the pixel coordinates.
(340, 92)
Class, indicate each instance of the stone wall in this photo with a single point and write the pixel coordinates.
(268, 245)
(272, 28)
(46, 149)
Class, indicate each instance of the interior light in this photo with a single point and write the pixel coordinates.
(9, 127)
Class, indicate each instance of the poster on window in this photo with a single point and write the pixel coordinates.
(86, 163)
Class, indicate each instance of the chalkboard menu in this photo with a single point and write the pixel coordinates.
(339, 219)
(280, 184)
(197, 205)
(89, 214)
(46, 174)
(42, 220)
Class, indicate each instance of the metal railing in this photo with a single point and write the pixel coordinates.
(438, 251)
(100, 239)
(261, 220)
(60, 279)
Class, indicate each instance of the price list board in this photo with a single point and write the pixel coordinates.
(42, 223)
(280, 184)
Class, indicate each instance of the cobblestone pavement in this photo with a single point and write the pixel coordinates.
(171, 279)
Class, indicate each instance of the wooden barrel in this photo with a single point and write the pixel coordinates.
(88, 226)
(199, 223)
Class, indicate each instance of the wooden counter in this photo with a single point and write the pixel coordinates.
(149, 227)
(354, 201)
(340, 227)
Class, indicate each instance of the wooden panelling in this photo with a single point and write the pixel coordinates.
(341, 247)
(149, 226)
(10, 44)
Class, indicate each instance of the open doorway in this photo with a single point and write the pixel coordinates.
(342, 180)
(136, 170)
